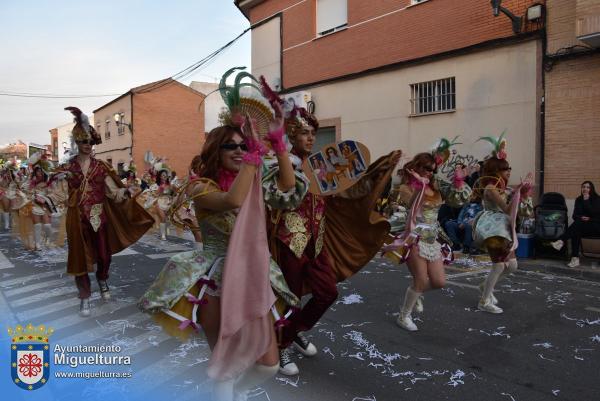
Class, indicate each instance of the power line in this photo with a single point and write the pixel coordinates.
(189, 70)
(53, 96)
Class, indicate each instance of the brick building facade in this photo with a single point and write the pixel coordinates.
(572, 101)
(165, 117)
(400, 74)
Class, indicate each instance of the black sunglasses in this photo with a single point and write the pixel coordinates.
(430, 169)
(85, 142)
(506, 169)
(234, 146)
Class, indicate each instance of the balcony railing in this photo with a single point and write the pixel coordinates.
(587, 24)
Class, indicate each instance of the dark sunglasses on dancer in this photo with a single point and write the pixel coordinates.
(85, 142)
(233, 146)
(506, 169)
(430, 169)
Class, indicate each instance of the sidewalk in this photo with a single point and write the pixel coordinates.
(588, 270)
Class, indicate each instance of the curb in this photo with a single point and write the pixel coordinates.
(586, 273)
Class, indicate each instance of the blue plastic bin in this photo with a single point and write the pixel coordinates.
(525, 249)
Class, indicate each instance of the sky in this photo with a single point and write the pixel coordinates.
(104, 47)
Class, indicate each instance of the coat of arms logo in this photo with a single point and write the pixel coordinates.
(30, 355)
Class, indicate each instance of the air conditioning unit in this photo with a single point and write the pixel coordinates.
(587, 30)
(299, 99)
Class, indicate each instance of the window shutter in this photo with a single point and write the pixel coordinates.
(331, 14)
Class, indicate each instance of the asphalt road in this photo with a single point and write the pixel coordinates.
(545, 346)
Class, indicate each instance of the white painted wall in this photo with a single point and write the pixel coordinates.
(213, 104)
(495, 90)
(266, 52)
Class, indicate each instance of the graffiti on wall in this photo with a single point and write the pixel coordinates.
(447, 169)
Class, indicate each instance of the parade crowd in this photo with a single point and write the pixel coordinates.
(271, 227)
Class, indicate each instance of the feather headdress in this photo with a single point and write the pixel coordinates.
(244, 99)
(154, 164)
(498, 145)
(296, 118)
(441, 150)
(83, 130)
(39, 160)
(130, 167)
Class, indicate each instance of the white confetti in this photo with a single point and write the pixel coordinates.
(555, 392)
(595, 339)
(456, 378)
(351, 299)
(355, 324)
(543, 345)
(327, 350)
(328, 333)
(508, 395)
(547, 359)
(287, 381)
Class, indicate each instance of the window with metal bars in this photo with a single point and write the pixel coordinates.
(433, 96)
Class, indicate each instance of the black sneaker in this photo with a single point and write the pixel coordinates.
(304, 346)
(286, 365)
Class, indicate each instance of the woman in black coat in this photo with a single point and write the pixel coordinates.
(586, 221)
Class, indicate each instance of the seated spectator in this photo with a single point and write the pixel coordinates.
(462, 227)
(447, 217)
(475, 174)
(586, 221)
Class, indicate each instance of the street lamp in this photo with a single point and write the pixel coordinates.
(119, 120)
(516, 21)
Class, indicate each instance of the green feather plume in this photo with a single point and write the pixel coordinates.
(231, 94)
(444, 144)
(495, 142)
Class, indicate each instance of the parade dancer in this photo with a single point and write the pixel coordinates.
(185, 207)
(310, 255)
(102, 219)
(38, 188)
(228, 288)
(424, 245)
(160, 195)
(494, 229)
(8, 190)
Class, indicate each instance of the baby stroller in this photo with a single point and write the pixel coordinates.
(551, 221)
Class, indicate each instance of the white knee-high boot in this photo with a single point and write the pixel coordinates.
(48, 233)
(163, 231)
(37, 235)
(252, 378)
(485, 303)
(405, 318)
(6, 216)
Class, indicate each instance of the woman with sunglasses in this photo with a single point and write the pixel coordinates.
(494, 228)
(197, 289)
(421, 244)
(586, 221)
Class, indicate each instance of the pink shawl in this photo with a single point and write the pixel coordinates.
(246, 294)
